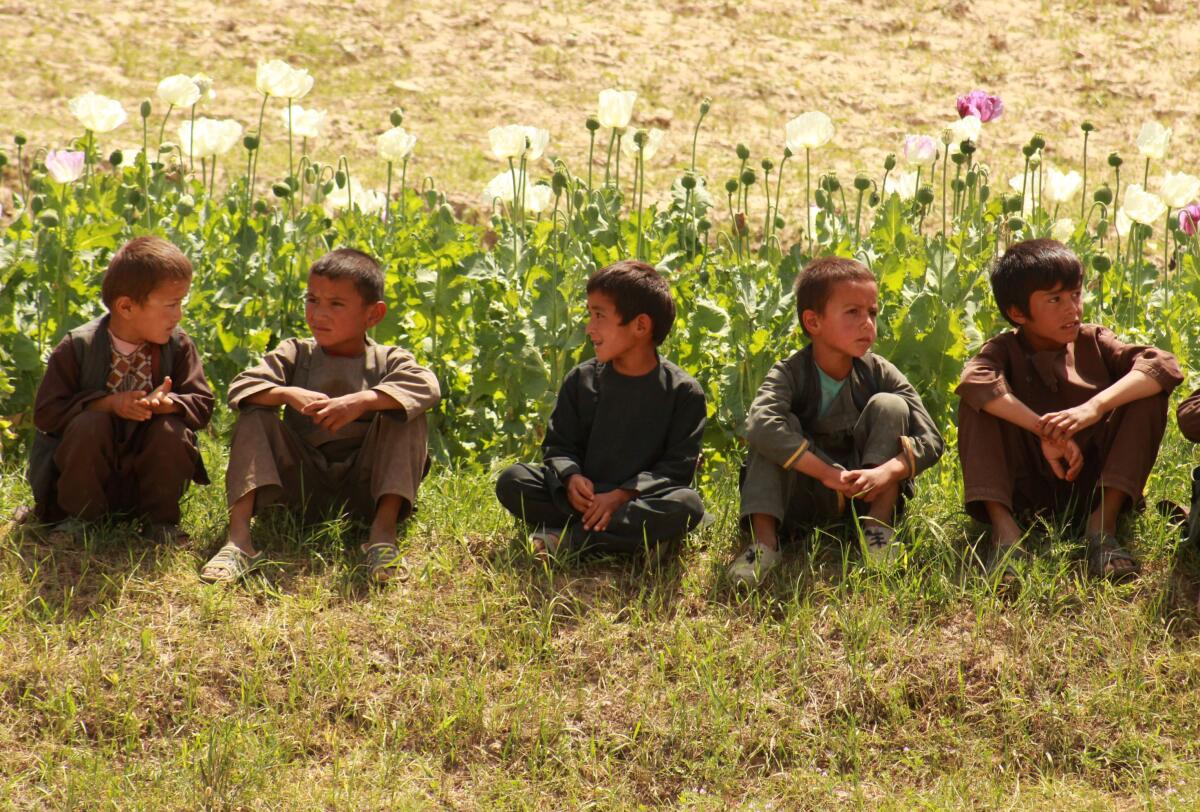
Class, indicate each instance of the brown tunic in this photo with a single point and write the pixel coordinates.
(1189, 416)
(303, 466)
(1002, 462)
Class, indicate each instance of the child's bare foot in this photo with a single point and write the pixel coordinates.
(545, 542)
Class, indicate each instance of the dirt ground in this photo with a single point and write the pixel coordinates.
(879, 69)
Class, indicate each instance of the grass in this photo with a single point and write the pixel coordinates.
(488, 680)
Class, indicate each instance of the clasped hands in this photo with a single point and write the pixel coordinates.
(138, 405)
(597, 508)
(1057, 430)
(331, 414)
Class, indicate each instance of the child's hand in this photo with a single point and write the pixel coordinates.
(837, 481)
(300, 399)
(334, 414)
(867, 483)
(1068, 422)
(580, 492)
(603, 506)
(128, 405)
(158, 402)
(1064, 457)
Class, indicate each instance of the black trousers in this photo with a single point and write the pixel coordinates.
(535, 496)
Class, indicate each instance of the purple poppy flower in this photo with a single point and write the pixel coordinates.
(978, 103)
(63, 165)
(1189, 219)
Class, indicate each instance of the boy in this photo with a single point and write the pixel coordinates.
(832, 424)
(122, 399)
(353, 430)
(1056, 414)
(1189, 424)
(624, 438)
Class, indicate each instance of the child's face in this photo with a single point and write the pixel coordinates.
(611, 339)
(846, 326)
(1054, 317)
(338, 316)
(154, 319)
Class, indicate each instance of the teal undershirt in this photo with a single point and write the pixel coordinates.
(830, 387)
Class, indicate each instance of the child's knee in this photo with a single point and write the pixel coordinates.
(886, 405)
(167, 431)
(89, 426)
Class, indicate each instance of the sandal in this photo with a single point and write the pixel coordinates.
(1107, 559)
(546, 542)
(879, 543)
(228, 565)
(385, 561)
(998, 566)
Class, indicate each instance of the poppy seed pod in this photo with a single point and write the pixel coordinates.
(862, 183)
(1114, 160)
(1101, 263)
(1012, 203)
(889, 163)
(704, 224)
(593, 123)
(231, 204)
(767, 164)
(1103, 195)
(960, 158)
(116, 157)
(19, 139)
(958, 185)
(1028, 150)
(705, 106)
(1015, 224)
(743, 152)
(1037, 142)
(396, 117)
(688, 182)
(48, 218)
(1088, 127)
(787, 152)
(830, 183)
(145, 109)
(731, 185)
(250, 142)
(967, 147)
(748, 177)
(640, 137)
(186, 205)
(260, 206)
(925, 195)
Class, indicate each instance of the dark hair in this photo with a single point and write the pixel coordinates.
(1030, 266)
(636, 288)
(140, 266)
(352, 264)
(815, 282)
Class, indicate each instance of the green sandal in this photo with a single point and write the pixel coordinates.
(385, 562)
(1106, 558)
(228, 565)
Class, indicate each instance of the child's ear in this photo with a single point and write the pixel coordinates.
(1015, 315)
(375, 313)
(123, 307)
(811, 320)
(643, 324)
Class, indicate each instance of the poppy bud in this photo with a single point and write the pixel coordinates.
(592, 211)
(145, 109)
(339, 178)
(3, 159)
(925, 195)
(1114, 160)
(821, 197)
(38, 203)
(281, 190)
(778, 221)
(731, 185)
(231, 204)
(873, 200)
(186, 205)
(743, 152)
(1103, 195)
(1101, 263)
(705, 106)
(862, 183)
(558, 183)
(48, 218)
(984, 193)
(593, 123)
(260, 206)
(889, 163)
(972, 178)
(957, 185)
(292, 183)
(396, 117)
(688, 182)
(578, 198)
(135, 197)
(787, 152)
(748, 177)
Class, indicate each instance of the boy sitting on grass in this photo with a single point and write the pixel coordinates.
(353, 430)
(624, 438)
(832, 425)
(1058, 415)
(122, 399)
